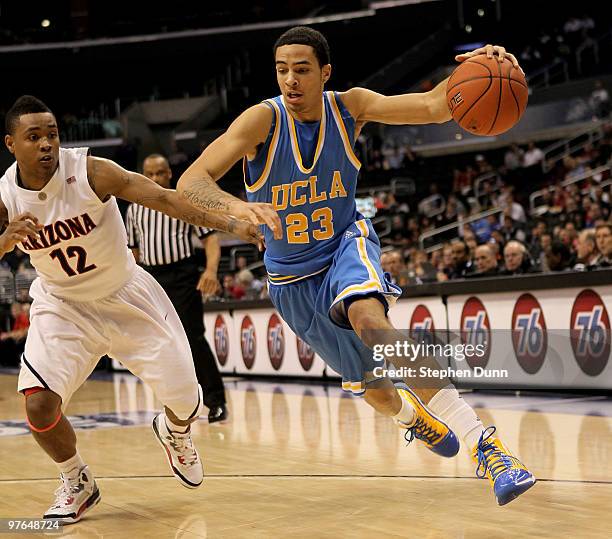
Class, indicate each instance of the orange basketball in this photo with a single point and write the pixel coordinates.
(485, 96)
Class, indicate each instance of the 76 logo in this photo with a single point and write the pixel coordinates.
(276, 341)
(590, 332)
(248, 341)
(422, 331)
(475, 331)
(528, 334)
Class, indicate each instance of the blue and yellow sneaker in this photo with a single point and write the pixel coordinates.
(430, 429)
(508, 476)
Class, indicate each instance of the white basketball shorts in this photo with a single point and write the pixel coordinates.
(137, 325)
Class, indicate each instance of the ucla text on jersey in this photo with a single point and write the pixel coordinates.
(313, 195)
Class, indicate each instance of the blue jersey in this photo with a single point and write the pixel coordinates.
(308, 171)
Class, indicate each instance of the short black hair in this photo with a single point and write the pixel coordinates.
(26, 104)
(155, 156)
(303, 35)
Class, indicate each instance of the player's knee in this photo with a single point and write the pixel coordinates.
(367, 314)
(363, 323)
(42, 408)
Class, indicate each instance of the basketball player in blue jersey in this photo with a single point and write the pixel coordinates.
(323, 261)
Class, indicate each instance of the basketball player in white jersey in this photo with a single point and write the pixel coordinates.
(91, 299)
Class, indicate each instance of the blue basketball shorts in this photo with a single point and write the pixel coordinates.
(312, 306)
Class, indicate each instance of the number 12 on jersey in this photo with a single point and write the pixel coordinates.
(72, 252)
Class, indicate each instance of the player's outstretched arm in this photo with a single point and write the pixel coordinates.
(424, 108)
(108, 178)
(198, 184)
(420, 108)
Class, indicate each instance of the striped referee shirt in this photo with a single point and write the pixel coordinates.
(161, 239)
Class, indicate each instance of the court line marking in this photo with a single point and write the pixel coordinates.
(308, 476)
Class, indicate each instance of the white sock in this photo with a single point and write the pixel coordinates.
(173, 427)
(72, 466)
(406, 416)
(458, 414)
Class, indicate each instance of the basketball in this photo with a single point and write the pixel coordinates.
(485, 96)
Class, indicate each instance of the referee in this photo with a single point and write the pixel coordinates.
(163, 246)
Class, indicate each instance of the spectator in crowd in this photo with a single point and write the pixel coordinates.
(592, 215)
(572, 213)
(570, 227)
(487, 197)
(241, 263)
(559, 257)
(564, 236)
(603, 238)
(482, 165)
(545, 245)
(462, 264)
(516, 259)
(483, 228)
(247, 282)
(471, 243)
(485, 262)
(600, 100)
(513, 158)
(577, 30)
(546, 241)
(586, 251)
(514, 209)
(393, 263)
(559, 197)
(495, 248)
(536, 234)
(393, 158)
(446, 264)
(597, 194)
(231, 289)
(533, 156)
(463, 179)
(532, 163)
(423, 270)
(510, 230)
(451, 212)
(498, 238)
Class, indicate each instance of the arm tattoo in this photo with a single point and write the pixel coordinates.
(223, 223)
(204, 193)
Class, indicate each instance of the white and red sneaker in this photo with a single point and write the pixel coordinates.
(74, 497)
(182, 455)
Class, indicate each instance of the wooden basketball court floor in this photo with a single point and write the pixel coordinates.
(303, 460)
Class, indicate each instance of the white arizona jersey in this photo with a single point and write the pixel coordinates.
(81, 254)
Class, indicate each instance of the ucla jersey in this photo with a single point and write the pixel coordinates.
(308, 171)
